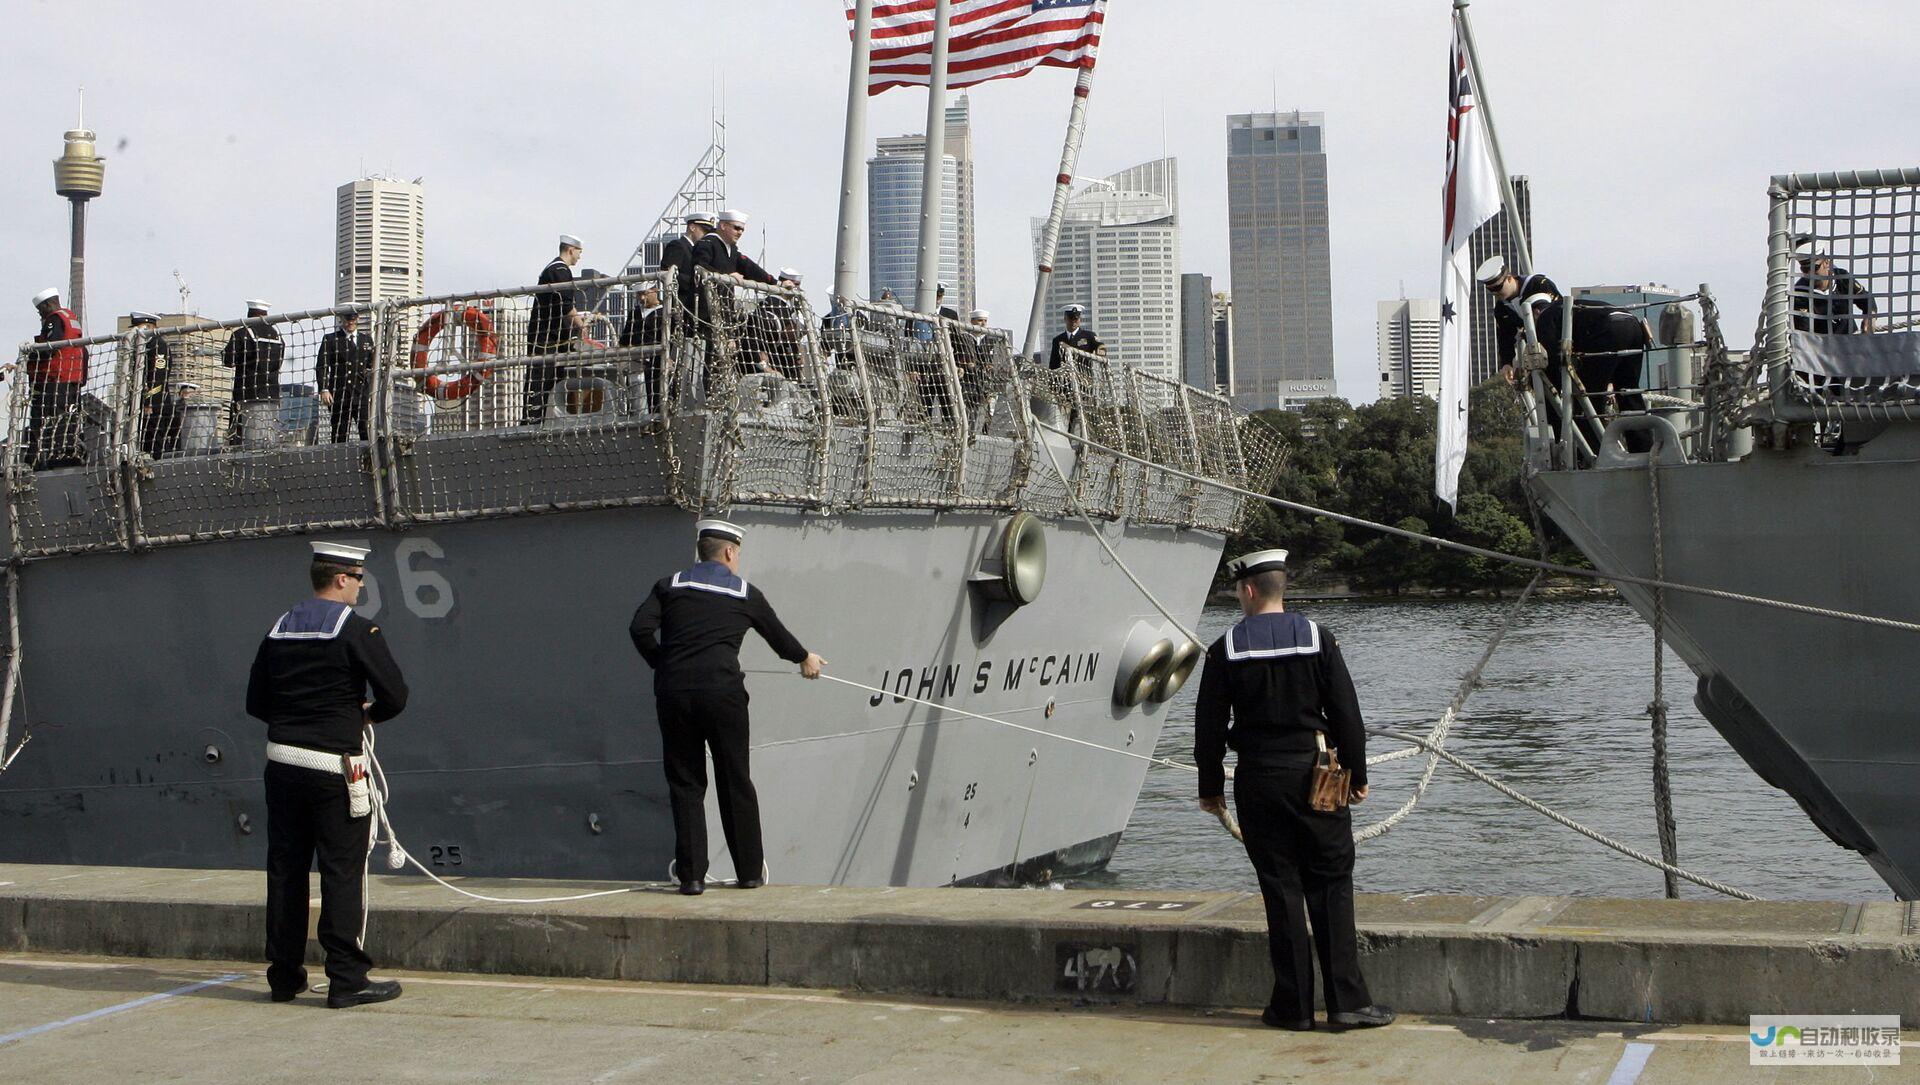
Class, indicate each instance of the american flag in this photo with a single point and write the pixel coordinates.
(987, 39)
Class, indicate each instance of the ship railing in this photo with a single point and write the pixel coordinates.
(748, 398)
(228, 438)
(496, 402)
(1679, 379)
(1838, 339)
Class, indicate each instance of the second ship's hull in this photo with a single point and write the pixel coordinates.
(530, 747)
(1821, 708)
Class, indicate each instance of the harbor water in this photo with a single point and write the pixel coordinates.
(1562, 717)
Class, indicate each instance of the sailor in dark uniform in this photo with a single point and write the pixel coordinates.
(1076, 336)
(1508, 289)
(343, 369)
(678, 255)
(940, 302)
(1276, 690)
(1825, 295)
(646, 328)
(1609, 347)
(160, 409)
(689, 631)
(254, 352)
(322, 676)
(552, 327)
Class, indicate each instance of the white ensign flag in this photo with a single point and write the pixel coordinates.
(1472, 196)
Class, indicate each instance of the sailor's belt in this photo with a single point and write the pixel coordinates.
(301, 757)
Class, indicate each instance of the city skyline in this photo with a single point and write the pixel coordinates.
(1409, 348)
(380, 241)
(209, 176)
(893, 211)
(1119, 256)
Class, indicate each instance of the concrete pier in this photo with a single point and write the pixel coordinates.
(1698, 962)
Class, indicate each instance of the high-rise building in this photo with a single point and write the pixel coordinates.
(1282, 276)
(1223, 343)
(1119, 256)
(893, 212)
(1495, 236)
(1197, 360)
(380, 247)
(1409, 332)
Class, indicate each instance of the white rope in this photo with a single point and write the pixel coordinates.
(398, 856)
(1532, 804)
(1496, 555)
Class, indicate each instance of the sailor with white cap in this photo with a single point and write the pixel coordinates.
(1276, 690)
(1077, 337)
(719, 252)
(553, 325)
(1509, 290)
(979, 317)
(160, 409)
(321, 679)
(940, 302)
(678, 255)
(254, 352)
(689, 631)
(55, 376)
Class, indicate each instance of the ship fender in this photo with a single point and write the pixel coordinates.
(1014, 568)
(1145, 665)
(453, 387)
(1185, 657)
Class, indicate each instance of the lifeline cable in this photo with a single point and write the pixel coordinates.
(1510, 792)
(1496, 555)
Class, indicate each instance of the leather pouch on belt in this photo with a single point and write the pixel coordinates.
(353, 768)
(1328, 788)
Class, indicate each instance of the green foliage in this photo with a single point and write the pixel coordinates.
(1376, 462)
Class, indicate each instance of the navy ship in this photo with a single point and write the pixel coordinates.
(1788, 473)
(901, 512)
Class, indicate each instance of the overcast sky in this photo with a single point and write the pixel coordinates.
(1649, 129)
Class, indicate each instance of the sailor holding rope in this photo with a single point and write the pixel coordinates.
(1280, 680)
(310, 683)
(689, 631)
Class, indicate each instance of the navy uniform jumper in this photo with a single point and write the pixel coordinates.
(1273, 683)
(689, 631)
(316, 668)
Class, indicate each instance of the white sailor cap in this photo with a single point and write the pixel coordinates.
(256, 305)
(940, 287)
(700, 218)
(46, 295)
(138, 317)
(1260, 561)
(731, 215)
(719, 529)
(340, 553)
(979, 314)
(568, 241)
(789, 273)
(1074, 310)
(1493, 270)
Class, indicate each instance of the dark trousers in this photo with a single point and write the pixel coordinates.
(691, 722)
(1304, 861)
(160, 425)
(53, 425)
(349, 409)
(307, 820)
(539, 381)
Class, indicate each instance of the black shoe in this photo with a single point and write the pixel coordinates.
(693, 888)
(1274, 1020)
(750, 883)
(376, 991)
(286, 996)
(1364, 1017)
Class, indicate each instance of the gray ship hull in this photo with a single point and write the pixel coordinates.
(1821, 708)
(531, 748)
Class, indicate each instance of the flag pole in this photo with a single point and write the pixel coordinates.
(932, 173)
(852, 159)
(1062, 188)
(1523, 251)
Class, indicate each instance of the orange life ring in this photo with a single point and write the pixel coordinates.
(451, 388)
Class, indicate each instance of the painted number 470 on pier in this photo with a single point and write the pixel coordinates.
(1091, 969)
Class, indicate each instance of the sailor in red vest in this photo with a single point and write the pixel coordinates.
(55, 376)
